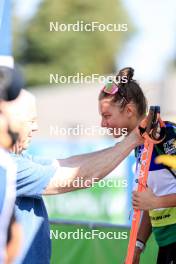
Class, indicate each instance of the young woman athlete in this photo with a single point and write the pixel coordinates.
(123, 105)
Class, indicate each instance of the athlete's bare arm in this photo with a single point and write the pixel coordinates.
(144, 232)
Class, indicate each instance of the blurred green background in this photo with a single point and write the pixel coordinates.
(42, 52)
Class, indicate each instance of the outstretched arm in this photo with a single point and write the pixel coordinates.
(90, 167)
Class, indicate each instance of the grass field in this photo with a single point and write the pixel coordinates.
(104, 251)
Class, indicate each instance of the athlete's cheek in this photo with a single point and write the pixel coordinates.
(112, 124)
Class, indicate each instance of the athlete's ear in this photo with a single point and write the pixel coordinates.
(130, 110)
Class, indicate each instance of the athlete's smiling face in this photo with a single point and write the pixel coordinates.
(117, 118)
(112, 116)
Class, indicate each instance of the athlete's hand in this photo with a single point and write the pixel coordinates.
(136, 137)
(145, 200)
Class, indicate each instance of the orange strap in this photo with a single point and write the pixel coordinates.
(142, 182)
(148, 129)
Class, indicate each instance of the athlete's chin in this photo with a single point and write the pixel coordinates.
(116, 136)
(117, 133)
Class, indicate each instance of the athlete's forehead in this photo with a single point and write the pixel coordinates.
(105, 106)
